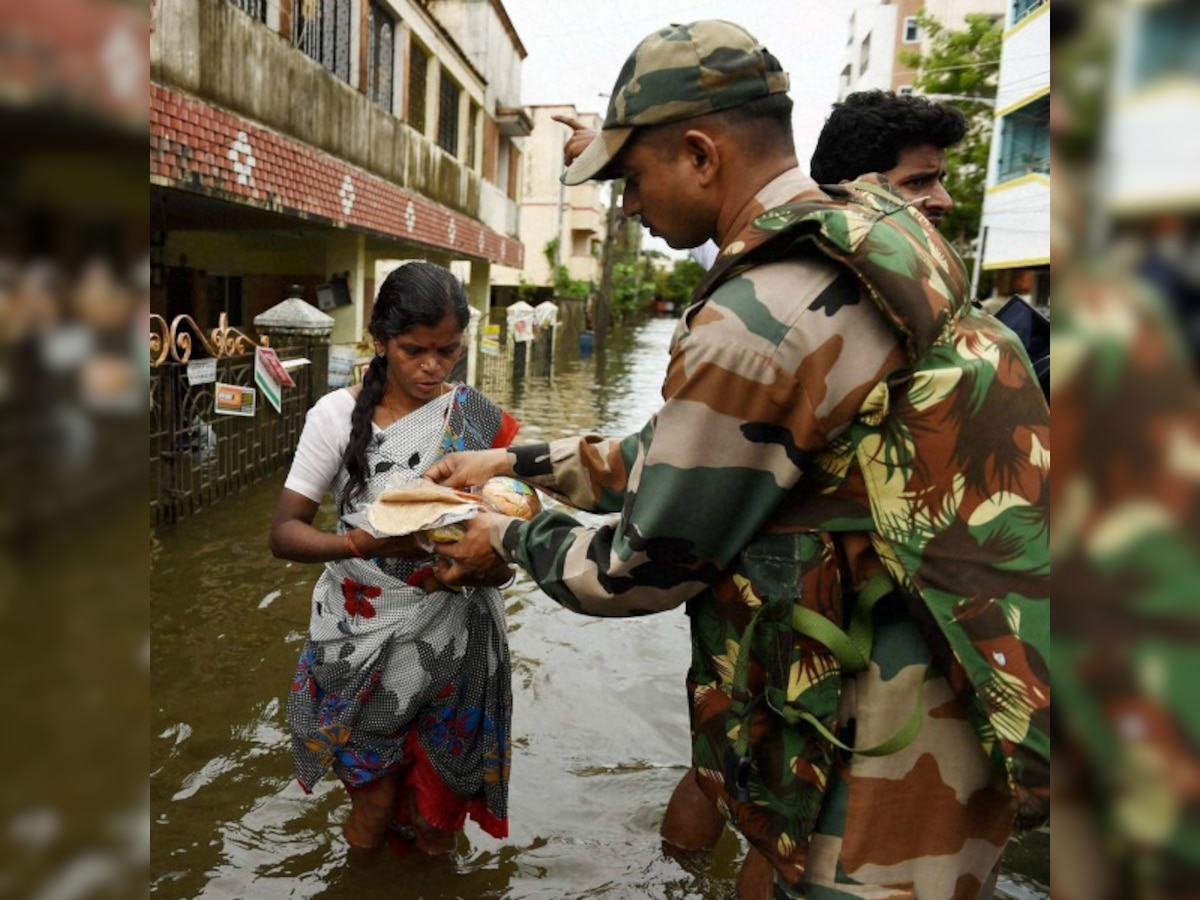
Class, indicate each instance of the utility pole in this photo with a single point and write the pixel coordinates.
(980, 247)
(603, 310)
(562, 202)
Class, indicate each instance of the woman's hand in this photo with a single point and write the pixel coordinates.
(467, 469)
(471, 559)
(402, 546)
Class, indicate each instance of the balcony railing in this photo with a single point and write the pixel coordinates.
(1022, 8)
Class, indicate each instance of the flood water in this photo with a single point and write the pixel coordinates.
(599, 720)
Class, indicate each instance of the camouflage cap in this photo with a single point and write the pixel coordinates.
(679, 72)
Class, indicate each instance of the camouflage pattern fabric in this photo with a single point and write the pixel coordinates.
(1127, 533)
(950, 459)
(927, 821)
(679, 72)
(683, 71)
(789, 393)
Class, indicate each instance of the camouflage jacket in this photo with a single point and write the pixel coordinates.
(791, 408)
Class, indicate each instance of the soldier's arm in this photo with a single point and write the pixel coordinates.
(588, 473)
(705, 474)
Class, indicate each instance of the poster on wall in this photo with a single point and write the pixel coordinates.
(234, 400)
(489, 343)
(341, 363)
(271, 376)
(201, 371)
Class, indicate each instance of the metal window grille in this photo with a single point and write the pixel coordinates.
(448, 94)
(255, 8)
(418, 73)
(381, 30)
(322, 31)
(1025, 141)
(1022, 8)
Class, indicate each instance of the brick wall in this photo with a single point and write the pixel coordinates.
(197, 147)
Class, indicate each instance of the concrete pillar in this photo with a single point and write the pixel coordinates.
(348, 253)
(479, 288)
(472, 354)
(295, 321)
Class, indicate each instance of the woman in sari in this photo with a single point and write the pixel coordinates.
(403, 686)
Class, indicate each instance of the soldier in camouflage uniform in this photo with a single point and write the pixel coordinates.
(835, 417)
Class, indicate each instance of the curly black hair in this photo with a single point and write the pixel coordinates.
(417, 293)
(868, 130)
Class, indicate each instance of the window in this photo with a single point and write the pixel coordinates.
(850, 37)
(321, 29)
(447, 132)
(864, 56)
(1022, 8)
(905, 90)
(1167, 46)
(473, 135)
(912, 30)
(418, 73)
(254, 8)
(381, 55)
(225, 296)
(1025, 141)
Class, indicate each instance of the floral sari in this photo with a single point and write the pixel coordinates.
(394, 679)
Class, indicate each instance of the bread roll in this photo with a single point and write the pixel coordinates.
(510, 497)
(446, 535)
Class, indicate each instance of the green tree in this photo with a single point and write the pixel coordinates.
(632, 287)
(564, 284)
(962, 67)
(676, 285)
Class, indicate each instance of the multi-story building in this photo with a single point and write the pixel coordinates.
(302, 141)
(1015, 228)
(1151, 160)
(551, 211)
(879, 33)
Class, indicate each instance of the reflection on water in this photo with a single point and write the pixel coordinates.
(600, 717)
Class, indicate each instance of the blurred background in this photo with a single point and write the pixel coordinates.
(74, 300)
(1125, 310)
(1125, 300)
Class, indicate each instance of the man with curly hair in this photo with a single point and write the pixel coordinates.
(904, 138)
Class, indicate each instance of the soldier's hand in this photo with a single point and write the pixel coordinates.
(464, 470)
(580, 137)
(472, 557)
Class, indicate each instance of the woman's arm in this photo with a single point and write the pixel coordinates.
(294, 537)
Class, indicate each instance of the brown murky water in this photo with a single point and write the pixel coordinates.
(599, 720)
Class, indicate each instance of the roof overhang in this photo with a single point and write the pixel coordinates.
(513, 121)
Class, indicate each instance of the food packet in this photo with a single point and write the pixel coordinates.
(501, 494)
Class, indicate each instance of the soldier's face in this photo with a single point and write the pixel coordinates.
(660, 189)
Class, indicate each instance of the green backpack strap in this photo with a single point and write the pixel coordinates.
(852, 648)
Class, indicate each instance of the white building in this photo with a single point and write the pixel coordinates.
(880, 32)
(1015, 229)
(549, 210)
(1151, 159)
(296, 142)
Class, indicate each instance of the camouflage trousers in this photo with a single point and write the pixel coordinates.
(929, 821)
